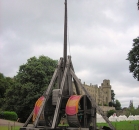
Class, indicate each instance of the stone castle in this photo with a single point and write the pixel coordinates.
(101, 94)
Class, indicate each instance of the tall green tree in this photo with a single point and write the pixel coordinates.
(133, 57)
(112, 98)
(5, 83)
(132, 111)
(2, 85)
(131, 104)
(30, 83)
(112, 95)
(117, 105)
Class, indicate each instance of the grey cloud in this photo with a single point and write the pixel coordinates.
(100, 36)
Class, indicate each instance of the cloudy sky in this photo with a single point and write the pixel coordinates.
(100, 34)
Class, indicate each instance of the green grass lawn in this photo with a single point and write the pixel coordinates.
(122, 125)
(6, 128)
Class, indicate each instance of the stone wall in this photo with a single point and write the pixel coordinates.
(106, 108)
(101, 94)
(121, 112)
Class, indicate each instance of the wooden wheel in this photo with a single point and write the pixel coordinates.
(78, 110)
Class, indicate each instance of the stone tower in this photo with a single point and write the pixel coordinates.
(106, 87)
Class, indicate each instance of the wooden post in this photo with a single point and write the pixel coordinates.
(58, 105)
(8, 125)
(14, 125)
(65, 36)
(27, 121)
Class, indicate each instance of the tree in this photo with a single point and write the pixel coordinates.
(2, 85)
(117, 105)
(112, 95)
(30, 83)
(110, 104)
(132, 111)
(5, 83)
(110, 112)
(131, 104)
(112, 98)
(133, 57)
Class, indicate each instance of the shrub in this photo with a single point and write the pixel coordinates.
(9, 115)
(110, 104)
(111, 112)
(1, 114)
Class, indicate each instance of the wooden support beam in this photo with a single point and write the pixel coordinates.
(70, 84)
(94, 104)
(48, 91)
(76, 87)
(75, 83)
(69, 79)
(65, 35)
(85, 108)
(60, 75)
(27, 121)
(58, 105)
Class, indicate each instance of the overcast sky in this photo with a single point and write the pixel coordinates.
(100, 34)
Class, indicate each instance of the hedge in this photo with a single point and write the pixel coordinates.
(8, 115)
(110, 112)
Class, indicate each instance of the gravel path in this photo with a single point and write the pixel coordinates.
(10, 123)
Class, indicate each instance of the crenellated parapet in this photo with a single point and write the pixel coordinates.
(101, 94)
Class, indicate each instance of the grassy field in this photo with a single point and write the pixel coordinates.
(123, 125)
(6, 128)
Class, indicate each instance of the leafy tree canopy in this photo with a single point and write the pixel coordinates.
(5, 83)
(112, 98)
(112, 95)
(117, 105)
(133, 57)
(110, 112)
(132, 111)
(131, 104)
(30, 83)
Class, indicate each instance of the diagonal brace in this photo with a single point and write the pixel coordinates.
(91, 99)
(47, 94)
(58, 105)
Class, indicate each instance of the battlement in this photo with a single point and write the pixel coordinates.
(101, 94)
(106, 83)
